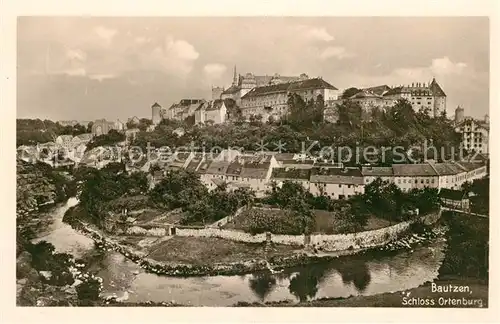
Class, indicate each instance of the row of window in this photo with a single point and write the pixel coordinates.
(404, 180)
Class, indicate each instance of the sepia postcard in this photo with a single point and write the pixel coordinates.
(252, 162)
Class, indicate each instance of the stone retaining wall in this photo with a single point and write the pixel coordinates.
(137, 230)
(225, 220)
(222, 233)
(328, 243)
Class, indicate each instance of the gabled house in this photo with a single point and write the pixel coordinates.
(212, 111)
(338, 183)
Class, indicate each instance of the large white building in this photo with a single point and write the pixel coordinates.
(474, 133)
(181, 110)
(272, 100)
(421, 95)
(212, 111)
(242, 84)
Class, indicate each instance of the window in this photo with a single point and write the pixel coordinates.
(427, 181)
(416, 181)
(340, 186)
(422, 181)
(399, 180)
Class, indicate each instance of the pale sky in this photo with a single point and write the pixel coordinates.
(90, 68)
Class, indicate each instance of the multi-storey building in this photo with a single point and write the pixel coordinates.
(180, 111)
(338, 183)
(102, 126)
(242, 84)
(272, 100)
(259, 171)
(212, 111)
(370, 173)
(420, 95)
(474, 133)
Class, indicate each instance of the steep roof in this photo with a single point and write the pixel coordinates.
(337, 175)
(283, 156)
(436, 89)
(409, 170)
(393, 91)
(155, 105)
(378, 90)
(377, 171)
(204, 165)
(315, 83)
(256, 170)
(214, 105)
(66, 138)
(291, 174)
(443, 169)
(231, 90)
(470, 166)
(84, 137)
(217, 167)
(195, 162)
(452, 194)
(234, 168)
(297, 161)
(364, 94)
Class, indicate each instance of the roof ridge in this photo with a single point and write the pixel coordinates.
(434, 168)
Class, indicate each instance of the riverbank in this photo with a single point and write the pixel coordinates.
(269, 261)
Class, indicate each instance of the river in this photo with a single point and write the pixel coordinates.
(343, 277)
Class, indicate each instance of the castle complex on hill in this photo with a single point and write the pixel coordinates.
(267, 96)
(243, 84)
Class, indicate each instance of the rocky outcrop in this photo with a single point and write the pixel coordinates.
(33, 189)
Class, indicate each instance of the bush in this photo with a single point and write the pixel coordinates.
(280, 222)
(88, 290)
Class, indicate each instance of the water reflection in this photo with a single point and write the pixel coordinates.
(356, 273)
(305, 284)
(262, 284)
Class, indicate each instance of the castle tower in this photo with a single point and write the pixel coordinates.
(156, 113)
(235, 77)
(217, 92)
(459, 115)
(487, 118)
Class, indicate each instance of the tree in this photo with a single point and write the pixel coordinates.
(178, 189)
(89, 127)
(349, 92)
(113, 137)
(88, 290)
(360, 210)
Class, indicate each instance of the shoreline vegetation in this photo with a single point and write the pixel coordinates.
(286, 257)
